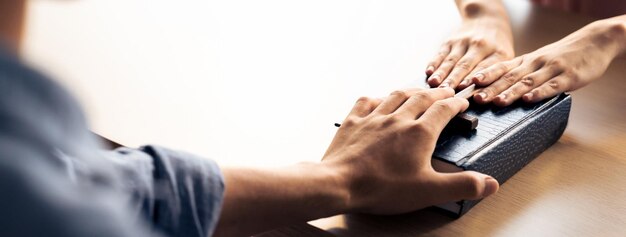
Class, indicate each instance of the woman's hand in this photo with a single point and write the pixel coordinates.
(484, 39)
(383, 152)
(565, 65)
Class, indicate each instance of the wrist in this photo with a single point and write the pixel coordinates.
(613, 31)
(488, 26)
(483, 9)
(605, 35)
(331, 183)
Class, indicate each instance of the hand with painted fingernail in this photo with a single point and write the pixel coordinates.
(483, 39)
(563, 66)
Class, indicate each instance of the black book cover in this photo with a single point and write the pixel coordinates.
(505, 140)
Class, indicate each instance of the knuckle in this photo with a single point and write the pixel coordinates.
(399, 93)
(528, 81)
(464, 65)
(390, 120)
(442, 105)
(502, 67)
(554, 84)
(421, 96)
(478, 42)
(421, 128)
(509, 78)
(363, 99)
(350, 121)
(487, 73)
(557, 63)
(478, 68)
(539, 60)
(452, 59)
(501, 54)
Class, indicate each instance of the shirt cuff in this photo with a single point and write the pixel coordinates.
(188, 191)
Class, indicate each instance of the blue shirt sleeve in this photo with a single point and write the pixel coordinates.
(55, 180)
(179, 193)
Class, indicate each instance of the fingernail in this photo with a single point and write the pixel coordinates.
(479, 76)
(491, 186)
(528, 96)
(482, 95)
(435, 77)
(430, 70)
(464, 83)
(433, 80)
(501, 97)
(444, 85)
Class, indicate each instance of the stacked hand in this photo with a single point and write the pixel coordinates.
(384, 148)
(481, 52)
(478, 44)
(565, 65)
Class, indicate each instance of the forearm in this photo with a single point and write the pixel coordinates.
(257, 200)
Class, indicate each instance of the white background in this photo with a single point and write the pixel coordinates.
(242, 82)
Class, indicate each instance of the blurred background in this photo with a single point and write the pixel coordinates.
(240, 81)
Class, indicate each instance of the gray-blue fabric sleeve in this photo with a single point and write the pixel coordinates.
(162, 193)
(56, 181)
(184, 193)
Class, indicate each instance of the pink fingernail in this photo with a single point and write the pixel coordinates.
(464, 83)
(479, 76)
(528, 96)
(482, 95)
(502, 97)
(430, 70)
(444, 85)
(433, 80)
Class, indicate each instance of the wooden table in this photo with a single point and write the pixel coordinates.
(215, 76)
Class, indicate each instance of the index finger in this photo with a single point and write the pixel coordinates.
(421, 101)
(441, 112)
(436, 61)
(463, 67)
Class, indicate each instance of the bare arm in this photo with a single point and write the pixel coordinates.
(261, 199)
(378, 162)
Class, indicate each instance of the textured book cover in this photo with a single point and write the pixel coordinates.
(505, 140)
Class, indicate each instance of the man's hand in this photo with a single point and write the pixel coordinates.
(483, 39)
(565, 65)
(383, 152)
(378, 162)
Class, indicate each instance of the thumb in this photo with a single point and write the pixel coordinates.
(466, 185)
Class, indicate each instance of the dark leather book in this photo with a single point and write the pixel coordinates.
(505, 140)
